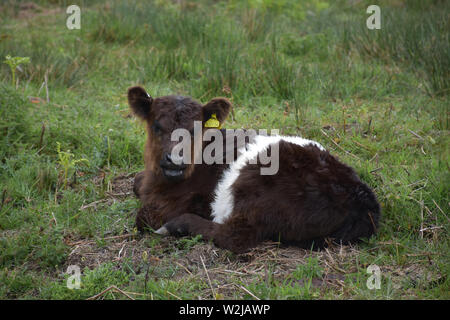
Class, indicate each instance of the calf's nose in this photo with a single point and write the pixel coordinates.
(173, 160)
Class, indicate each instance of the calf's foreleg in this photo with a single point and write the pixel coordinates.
(235, 234)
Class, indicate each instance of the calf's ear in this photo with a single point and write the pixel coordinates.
(217, 110)
(140, 101)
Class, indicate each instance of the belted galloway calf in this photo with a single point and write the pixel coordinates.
(311, 200)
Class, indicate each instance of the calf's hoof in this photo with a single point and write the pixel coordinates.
(162, 231)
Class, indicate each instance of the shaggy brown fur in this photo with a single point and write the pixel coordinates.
(312, 198)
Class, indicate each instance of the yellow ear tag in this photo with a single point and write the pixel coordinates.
(212, 122)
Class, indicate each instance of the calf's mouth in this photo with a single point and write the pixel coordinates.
(174, 173)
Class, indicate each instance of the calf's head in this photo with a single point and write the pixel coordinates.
(166, 114)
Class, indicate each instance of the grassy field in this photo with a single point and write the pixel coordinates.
(69, 148)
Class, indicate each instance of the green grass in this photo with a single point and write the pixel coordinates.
(378, 99)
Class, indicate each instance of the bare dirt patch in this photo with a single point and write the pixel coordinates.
(29, 10)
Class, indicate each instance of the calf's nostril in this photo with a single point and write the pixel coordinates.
(172, 161)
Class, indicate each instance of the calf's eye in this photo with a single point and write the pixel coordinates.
(156, 128)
